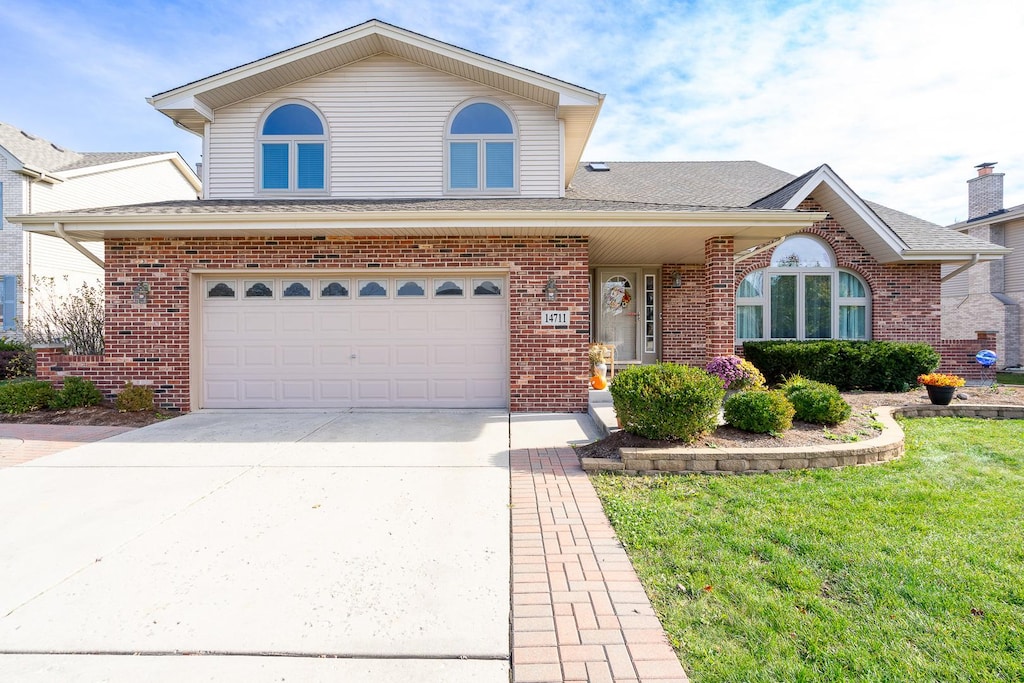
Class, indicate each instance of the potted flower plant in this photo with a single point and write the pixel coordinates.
(940, 386)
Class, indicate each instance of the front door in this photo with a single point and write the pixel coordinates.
(617, 312)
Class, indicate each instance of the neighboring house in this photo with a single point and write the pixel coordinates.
(389, 220)
(988, 296)
(37, 175)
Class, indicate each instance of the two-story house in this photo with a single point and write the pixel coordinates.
(988, 296)
(389, 220)
(37, 175)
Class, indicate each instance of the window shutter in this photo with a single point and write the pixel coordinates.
(275, 166)
(311, 166)
(500, 165)
(463, 161)
(10, 301)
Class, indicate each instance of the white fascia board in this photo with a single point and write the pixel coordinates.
(728, 221)
(826, 175)
(187, 102)
(176, 98)
(959, 255)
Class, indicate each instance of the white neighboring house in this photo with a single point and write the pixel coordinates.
(37, 175)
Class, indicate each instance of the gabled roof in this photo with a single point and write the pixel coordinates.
(33, 156)
(888, 235)
(1001, 216)
(194, 104)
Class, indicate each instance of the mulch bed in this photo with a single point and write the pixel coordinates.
(860, 427)
(104, 414)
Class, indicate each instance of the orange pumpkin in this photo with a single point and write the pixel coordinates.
(598, 382)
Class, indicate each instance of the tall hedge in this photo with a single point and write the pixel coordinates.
(868, 365)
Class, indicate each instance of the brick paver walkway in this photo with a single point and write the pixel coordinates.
(579, 612)
(23, 442)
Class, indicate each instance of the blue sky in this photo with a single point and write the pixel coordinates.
(901, 98)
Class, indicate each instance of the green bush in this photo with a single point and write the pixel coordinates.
(77, 392)
(868, 365)
(21, 397)
(763, 412)
(816, 402)
(134, 399)
(667, 401)
(17, 363)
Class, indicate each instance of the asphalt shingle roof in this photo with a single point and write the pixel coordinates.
(43, 155)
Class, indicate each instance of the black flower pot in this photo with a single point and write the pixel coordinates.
(940, 396)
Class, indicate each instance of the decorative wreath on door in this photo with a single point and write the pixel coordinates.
(616, 297)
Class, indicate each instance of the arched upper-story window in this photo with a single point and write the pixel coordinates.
(803, 295)
(293, 149)
(481, 149)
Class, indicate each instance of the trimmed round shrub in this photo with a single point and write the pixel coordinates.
(816, 402)
(77, 392)
(21, 397)
(763, 412)
(667, 401)
(134, 399)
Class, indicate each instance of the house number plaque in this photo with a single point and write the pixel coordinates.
(554, 318)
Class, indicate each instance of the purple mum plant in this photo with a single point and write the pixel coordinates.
(735, 372)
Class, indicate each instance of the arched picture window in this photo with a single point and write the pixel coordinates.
(803, 295)
(482, 150)
(293, 150)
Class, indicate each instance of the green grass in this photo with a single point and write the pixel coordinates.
(1010, 378)
(910, 571)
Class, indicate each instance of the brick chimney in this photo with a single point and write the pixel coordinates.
(984, 193)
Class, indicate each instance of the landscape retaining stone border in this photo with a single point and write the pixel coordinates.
(888, 446)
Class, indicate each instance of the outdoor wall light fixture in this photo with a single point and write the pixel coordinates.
(677, 279)
(551, 290)
(140, 293)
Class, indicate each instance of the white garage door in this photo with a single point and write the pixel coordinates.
(439, 341)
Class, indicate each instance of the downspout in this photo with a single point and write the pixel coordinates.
(973, 262)
(743, 255)
(59, 229)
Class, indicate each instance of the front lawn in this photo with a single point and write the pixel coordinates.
(910, 571)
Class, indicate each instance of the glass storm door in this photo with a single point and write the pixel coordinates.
(617, 312)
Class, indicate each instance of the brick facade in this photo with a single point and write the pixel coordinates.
(150, 343)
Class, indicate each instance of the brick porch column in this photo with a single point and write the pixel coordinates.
(720, 293)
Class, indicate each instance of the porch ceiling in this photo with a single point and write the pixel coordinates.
(614, 237)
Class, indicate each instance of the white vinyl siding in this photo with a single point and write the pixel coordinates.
(386, 121)
(155, 182)
(956, 286)
(1014, 263)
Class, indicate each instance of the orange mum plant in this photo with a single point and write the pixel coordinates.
(938, 379)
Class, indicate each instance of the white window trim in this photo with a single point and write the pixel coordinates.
(481, 162)
(293, 142)
(764, 301)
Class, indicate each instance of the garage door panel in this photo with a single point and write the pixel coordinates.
(298, 390)
(297, 357)
(349, 351)
(373, 321)
(333, 320)
(220, 322)
(333, 355)
(411, 321)
(256, 322)
(372, 390)
(259, 356)
(412, 390)
(412, 356)
(297, 322)
(222, 356)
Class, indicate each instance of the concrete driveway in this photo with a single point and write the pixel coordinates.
(358, 546)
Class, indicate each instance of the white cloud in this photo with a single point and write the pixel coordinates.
(902, 99)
